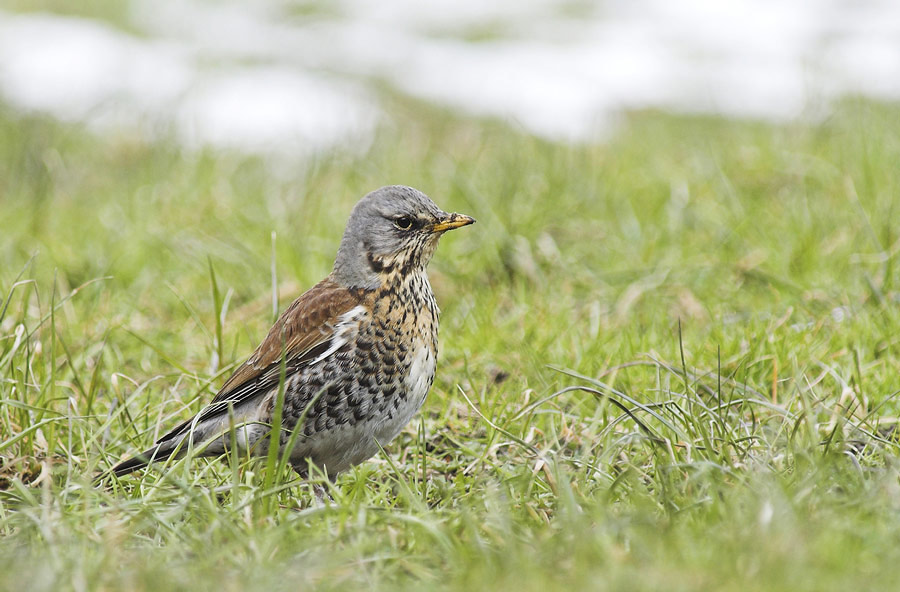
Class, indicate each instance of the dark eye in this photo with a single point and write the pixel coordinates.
(403, 222)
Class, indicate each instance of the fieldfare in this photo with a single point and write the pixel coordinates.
(355, 354)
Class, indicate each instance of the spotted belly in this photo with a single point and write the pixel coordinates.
(416, 385)
(347, 425)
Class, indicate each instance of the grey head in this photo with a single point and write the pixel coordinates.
(392, 231)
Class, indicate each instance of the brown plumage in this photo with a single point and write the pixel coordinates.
(359, 349)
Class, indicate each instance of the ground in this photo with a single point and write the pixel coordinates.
(668, 360)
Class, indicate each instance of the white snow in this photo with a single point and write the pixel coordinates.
(258, 77)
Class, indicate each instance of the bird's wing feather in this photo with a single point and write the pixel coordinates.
(301, 334)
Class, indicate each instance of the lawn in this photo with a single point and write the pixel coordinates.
(669, 361)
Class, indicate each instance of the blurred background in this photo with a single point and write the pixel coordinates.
(282, 76)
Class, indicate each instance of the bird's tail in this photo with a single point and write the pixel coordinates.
(160, 451)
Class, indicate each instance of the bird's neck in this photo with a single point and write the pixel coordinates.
(360, 268)
(405, 284)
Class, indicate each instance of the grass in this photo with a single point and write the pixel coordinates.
(667, 362)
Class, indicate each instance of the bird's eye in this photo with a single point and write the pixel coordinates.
(403, 222)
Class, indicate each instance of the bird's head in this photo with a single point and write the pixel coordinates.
(393, 230)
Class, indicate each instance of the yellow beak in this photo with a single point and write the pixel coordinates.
(452, 221)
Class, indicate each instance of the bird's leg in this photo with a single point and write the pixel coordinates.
(323, 498)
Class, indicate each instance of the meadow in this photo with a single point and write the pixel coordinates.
(669, 360)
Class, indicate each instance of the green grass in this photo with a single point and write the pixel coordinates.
(669, 361)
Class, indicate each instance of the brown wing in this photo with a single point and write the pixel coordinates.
(303, 332)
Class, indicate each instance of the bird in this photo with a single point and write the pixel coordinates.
(352, 358)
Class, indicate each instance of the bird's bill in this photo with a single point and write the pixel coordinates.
(451, 221)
